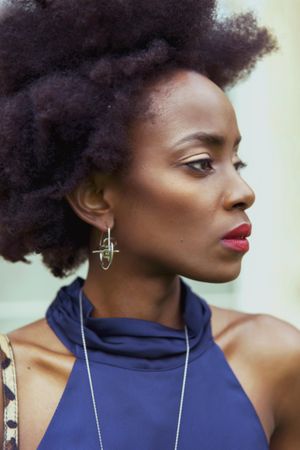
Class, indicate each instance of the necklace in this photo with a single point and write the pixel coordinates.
(92, 387)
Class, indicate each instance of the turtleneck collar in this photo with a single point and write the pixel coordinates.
(126, 342)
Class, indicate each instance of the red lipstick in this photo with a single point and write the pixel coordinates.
(236, 238)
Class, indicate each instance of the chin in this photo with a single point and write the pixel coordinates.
(223, 275)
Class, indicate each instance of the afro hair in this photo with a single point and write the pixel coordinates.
(69, 71)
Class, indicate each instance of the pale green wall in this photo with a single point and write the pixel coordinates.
(268, 108)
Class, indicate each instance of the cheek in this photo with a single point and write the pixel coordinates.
(164, 211)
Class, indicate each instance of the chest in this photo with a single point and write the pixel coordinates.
(141, 409)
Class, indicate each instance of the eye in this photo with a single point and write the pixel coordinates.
(240, 165)
(201, 165)
(204, 165)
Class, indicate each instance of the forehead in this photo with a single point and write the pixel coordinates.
(186, 102)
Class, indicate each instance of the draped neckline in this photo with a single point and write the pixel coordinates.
(128, 342)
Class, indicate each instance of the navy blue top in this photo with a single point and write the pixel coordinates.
(137, 369)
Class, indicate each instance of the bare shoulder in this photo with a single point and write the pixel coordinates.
(37, 333)
(276, 346)
(279, 350)
(36, 345)
(39, 355)
(264, 334)
(264, 337)
(43, 366)
(274, 340)
(265, 352)
(224, 320)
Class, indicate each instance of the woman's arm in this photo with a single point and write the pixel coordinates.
(287, 391)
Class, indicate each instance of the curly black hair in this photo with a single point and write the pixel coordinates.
(69, 73)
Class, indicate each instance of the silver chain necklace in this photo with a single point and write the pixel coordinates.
(91, 381)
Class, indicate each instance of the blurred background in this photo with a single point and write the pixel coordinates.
(268, 111)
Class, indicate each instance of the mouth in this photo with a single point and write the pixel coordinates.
(238, 245)
(236, 238)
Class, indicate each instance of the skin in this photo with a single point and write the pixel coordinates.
(168, 218)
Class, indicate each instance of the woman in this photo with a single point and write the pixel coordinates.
(118, 145)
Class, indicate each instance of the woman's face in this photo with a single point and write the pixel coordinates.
(183, 192)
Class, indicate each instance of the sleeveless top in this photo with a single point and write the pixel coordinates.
(137, 370)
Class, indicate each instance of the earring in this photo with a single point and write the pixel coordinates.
(106, 250)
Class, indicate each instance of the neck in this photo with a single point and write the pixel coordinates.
(131, 295)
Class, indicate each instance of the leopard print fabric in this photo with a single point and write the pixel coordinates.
(10, 400)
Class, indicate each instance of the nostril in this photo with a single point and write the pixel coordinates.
(240, 205)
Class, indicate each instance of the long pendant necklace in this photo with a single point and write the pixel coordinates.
(92, 387)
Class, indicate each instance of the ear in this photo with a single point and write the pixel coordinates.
(92, 202)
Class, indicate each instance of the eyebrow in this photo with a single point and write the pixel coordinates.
(208, 139)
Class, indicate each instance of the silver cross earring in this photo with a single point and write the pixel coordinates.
(106, 250)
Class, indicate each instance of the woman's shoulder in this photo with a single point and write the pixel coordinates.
(39, 355)
(266, 339)
(277, 345)
(264, 332)
(43, 366)
(264, 351)
(37, 334)
(36, 346)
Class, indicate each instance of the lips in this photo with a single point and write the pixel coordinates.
(236, 239)
(240, 232)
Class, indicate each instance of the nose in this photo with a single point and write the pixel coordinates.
(238, 194)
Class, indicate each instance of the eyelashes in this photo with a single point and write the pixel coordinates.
(240, 165)
(204, 165)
